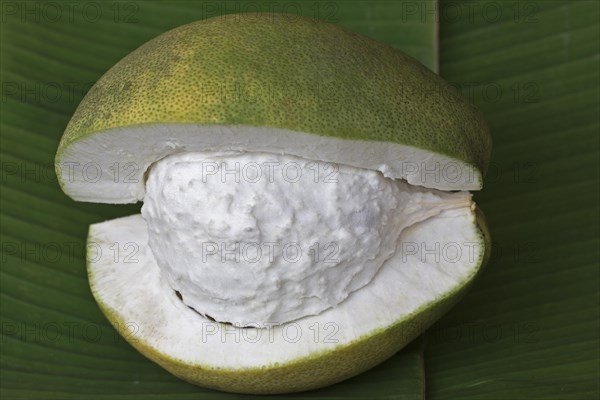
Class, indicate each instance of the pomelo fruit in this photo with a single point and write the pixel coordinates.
(269, 87)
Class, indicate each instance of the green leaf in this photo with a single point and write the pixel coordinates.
(530, 327)
(55, 342)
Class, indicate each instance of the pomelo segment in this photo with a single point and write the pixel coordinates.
(411, 291)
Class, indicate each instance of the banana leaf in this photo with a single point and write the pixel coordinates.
(528, 329)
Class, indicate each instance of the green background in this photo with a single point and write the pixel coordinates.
(529, 329)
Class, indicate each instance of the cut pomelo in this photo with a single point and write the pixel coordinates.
(411, 291)
(267, 84)
(252, 87)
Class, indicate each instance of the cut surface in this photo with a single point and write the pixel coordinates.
(410, 291)
(252, 238)
(116, 163)
(271, 83)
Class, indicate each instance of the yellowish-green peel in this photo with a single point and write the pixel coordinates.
(317, 370)
(284, 72)
(313, 372)
(320, 370)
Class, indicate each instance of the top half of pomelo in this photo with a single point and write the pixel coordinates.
(272, 83)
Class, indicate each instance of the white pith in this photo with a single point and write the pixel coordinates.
(116, 160)
(221, 227)
(442, 254)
